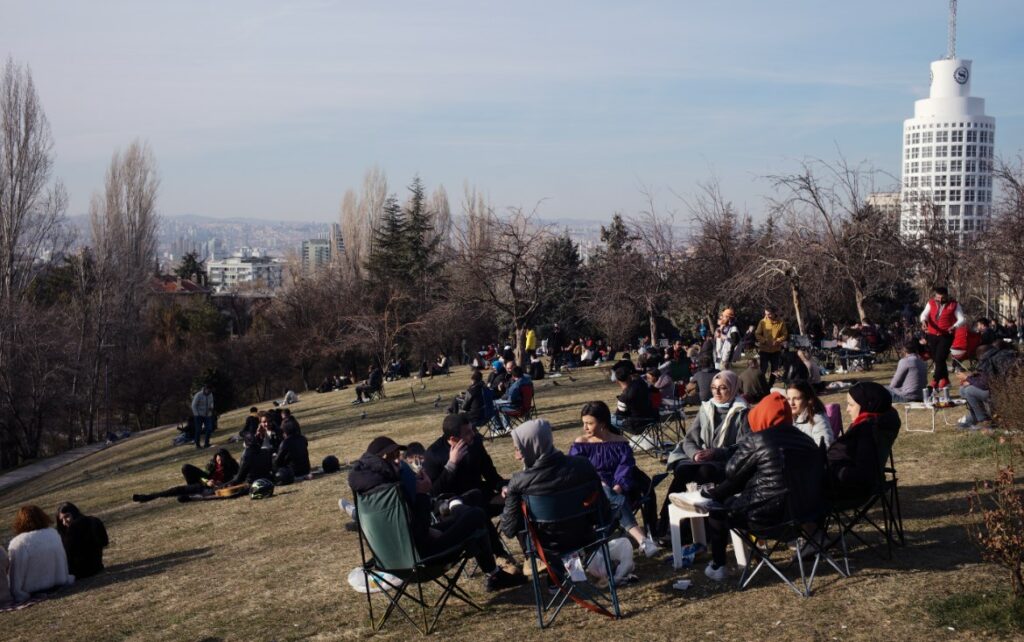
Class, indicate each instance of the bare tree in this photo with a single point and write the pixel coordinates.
(31, 215)
(507, 275)
(862, 243)
(1005, 239)
(360, 214)
(658, 272)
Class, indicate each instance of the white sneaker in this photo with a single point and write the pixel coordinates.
(348, 507)
(966, 421)
(719, 574)
(649, 547)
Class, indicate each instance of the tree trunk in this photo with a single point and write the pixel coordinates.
(798, 306)
(652, 324)
(520, 336)
(858, 295)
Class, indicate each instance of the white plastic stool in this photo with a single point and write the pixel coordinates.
(696, 516)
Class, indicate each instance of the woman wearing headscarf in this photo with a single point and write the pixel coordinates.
(546, 471)
(84, 539)
(700, 457)
(856, 458)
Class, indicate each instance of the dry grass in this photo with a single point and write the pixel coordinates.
(275, 569)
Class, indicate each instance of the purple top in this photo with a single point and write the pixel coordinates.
(612, 459)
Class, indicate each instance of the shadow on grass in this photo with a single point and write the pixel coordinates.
(126, 571)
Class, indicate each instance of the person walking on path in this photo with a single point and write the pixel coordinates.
(202, 410)
(940, 319)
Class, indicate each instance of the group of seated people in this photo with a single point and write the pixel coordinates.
(507, 393)
(337, 382)
(453, 490)
(733, 451)
(42, 558)
(272, 450)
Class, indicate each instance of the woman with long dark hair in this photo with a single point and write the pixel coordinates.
(612, 456)
(221, 469)
(84, 539)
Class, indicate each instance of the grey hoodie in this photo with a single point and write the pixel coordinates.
(534, 441)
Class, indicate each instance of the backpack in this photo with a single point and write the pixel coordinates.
(488, 411)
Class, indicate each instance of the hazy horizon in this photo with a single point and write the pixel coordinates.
(270, 111)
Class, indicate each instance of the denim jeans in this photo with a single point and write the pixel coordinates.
(977, 402)
(201, 423)
(620, 506)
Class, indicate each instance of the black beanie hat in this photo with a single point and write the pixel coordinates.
(871, 396)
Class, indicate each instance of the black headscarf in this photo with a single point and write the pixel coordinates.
(871, 397)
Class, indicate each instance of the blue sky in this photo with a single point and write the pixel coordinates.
(273, 109)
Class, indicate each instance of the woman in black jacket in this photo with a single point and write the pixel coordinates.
(473, 406)
(857, 457)
(220, 469)
(84, 539)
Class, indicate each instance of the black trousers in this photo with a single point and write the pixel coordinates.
(770, 362)
(464, 521)
(939, 345)
(492, 507)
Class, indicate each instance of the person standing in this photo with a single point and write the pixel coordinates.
(202, 410)
(555, 343)
(940, 319)
(771, 335)
(727, 337)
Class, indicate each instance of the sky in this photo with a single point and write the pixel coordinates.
(273, 109)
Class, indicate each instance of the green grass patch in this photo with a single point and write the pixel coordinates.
(989, 611)
(977, 445)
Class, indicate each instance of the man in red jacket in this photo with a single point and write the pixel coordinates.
(940, 319)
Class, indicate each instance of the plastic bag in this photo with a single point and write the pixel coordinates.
(358, 583)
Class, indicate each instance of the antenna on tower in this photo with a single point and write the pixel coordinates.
(951, 44)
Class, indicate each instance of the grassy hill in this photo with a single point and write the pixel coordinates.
(276, 569)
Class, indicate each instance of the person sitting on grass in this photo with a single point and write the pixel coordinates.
(720, 424)
(612, 458)
(36, 554)
(84, 539)
(809, 413)
(754, 488)
(380, 466)
(293, 451)
(706, 371)
(374, 382)
(220, 469)
(855, 457)
(911, 376)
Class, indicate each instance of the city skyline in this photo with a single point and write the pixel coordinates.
(272, 111)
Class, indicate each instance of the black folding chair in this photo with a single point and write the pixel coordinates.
(803, 505)
(584, 528)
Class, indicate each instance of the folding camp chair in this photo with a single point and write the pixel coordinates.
(578, 514)
(849, 512)
(497, 426)
(656, 437)
(385, 530)
(803, 504)
(647, 502)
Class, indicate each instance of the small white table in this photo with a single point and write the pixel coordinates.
(935, 410)
(677, 514)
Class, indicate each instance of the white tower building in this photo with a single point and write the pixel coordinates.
(947, 152)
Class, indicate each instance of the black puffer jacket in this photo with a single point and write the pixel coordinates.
(230, 466)
(549, 474)
(756, 473)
